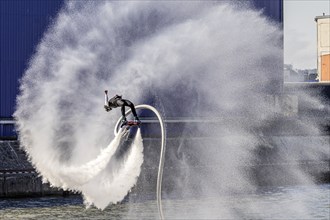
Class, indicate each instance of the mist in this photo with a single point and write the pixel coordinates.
(191, 59)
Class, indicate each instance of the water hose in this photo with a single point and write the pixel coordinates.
(162, 152)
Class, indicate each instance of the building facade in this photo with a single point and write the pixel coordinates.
(323, 47)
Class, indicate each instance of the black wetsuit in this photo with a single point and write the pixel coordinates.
(117, 101)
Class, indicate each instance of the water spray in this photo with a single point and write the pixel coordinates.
(162, 152)
(192, 55)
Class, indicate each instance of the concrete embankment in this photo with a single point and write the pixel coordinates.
(25, 183)
(187, 160)
(17, 176)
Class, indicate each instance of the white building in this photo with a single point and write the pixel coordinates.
(323, 47)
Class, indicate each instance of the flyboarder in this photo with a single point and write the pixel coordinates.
(117, 101)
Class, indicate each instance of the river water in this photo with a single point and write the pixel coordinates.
(289, 202)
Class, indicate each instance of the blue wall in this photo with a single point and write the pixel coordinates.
(22, 24)
(272, 8)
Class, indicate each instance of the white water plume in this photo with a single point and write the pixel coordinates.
(209, 59)
(120, 176)
(70, 176)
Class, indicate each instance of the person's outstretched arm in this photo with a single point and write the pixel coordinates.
(106, 98)
(106, 101)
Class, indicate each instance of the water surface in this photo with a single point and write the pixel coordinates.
(289, 202)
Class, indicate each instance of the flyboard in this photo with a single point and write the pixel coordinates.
(129, 124)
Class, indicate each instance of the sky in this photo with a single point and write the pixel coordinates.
(300, 44)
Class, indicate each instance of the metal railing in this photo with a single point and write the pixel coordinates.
(5, 122)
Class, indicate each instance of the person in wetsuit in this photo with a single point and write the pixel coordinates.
(118, 101)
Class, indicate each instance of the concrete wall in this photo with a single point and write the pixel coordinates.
(17, 176)
(25, 184)
(186, 167)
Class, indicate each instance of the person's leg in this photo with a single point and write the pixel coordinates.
(131, 105)
(122, 104)
(123, 111)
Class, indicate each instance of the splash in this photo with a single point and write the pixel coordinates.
(196, 59)
(71, 177)
(114, 182)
